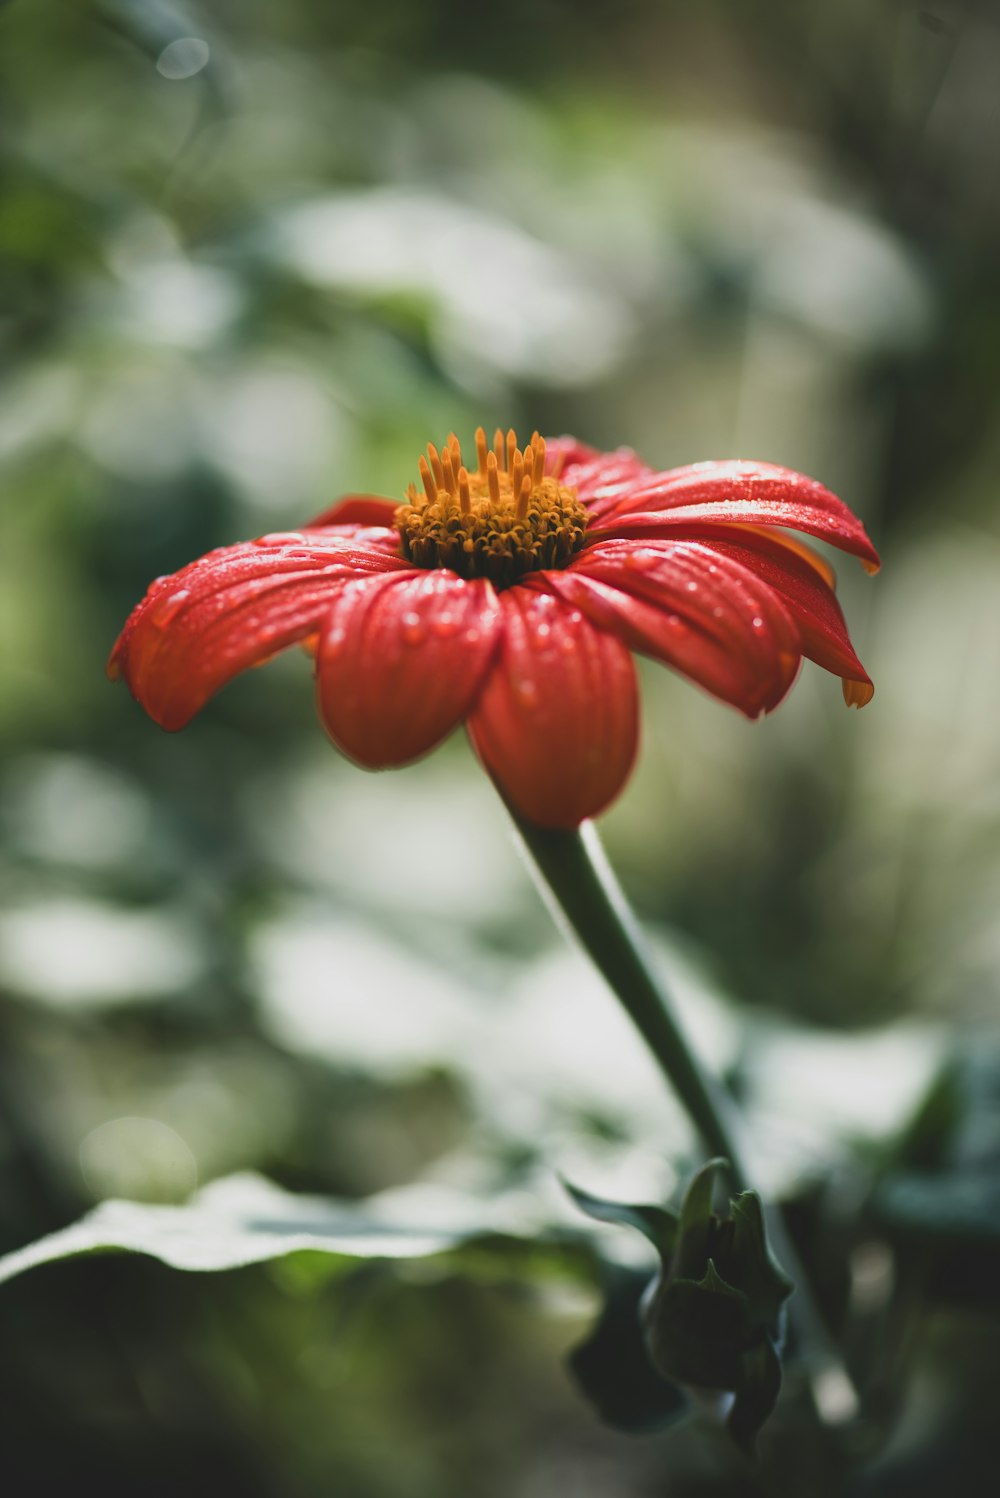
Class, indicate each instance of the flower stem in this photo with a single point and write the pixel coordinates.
(581, 890)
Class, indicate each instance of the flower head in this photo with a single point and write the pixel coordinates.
(510, 597)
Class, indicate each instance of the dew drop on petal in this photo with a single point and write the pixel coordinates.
(169, 608)
(282, 538)
(641, 560)
(412, 629)
(691, 587)
(334, 640)
(443, 625)
(472, 637)
(526, 691)
(543, 629)
(757, 622)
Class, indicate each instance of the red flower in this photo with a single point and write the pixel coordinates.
(510, 599)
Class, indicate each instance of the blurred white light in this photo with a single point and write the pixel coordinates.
(139, 422)
(176, 302)
(440, 827)
(67, 952)
(75, 811)
(348, 992)
(861, 1086)
(139, 1159)
(498, 297)
(183, 58)
(40, 404)
(539, 1058)
(274, 430)
(841, 273)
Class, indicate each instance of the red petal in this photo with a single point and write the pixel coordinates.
(231, 609)
(401, 660)
(566, 452)
(740, 493)
(358, 509)
(602, 480)
(557, 723)
(801, 582)
(699, 611)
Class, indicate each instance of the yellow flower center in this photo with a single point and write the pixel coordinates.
(504, 520)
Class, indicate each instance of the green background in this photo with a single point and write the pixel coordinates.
(253, 256)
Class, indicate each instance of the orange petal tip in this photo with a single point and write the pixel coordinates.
(857, 693)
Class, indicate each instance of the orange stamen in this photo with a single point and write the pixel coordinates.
(427, 477)
(436, 468)
(493, 479)
(449, 472)
(516, 471)
(538, 443)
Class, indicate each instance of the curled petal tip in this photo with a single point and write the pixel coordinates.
(857, 693)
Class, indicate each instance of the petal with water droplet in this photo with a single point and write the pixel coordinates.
(706, 632)
(736, 493)
(357, 509)
(231, 609)
(411, 657)
(557, 723)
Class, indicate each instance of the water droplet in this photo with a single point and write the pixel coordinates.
(691, 587)
(282, 538)
(413, 629)
(472, 637)
(674, 621)
(757, 622)
(444, 625)
(526, 691)
(641, 560)
(543, 629)
(717, 612)
(169, 608)
(334, 640)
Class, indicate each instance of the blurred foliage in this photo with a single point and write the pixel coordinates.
(255, 256)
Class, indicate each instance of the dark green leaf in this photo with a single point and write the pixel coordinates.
(751, 1264)
(696, 1331)
(658, 1224)
(697, 1222)
(756, 1396)
(613, 1368)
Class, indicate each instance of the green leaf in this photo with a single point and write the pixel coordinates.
(697, 1330)
(613, 1368)
(698, 1220)
(756, 1396)
(751, 1264)
(245, 1219)
(658, 1224)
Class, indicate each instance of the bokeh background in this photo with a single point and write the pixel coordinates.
(253, 256)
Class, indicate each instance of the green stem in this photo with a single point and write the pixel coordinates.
(580, 887)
